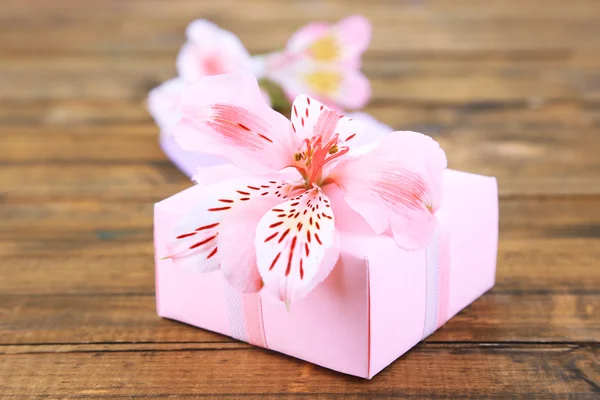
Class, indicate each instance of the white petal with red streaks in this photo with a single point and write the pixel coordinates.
(226, 115)
(305, 116)
(196, 240)
(396, 185)
(292, 240)
(310, 117)
(236, 243)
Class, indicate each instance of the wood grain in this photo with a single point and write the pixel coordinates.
(522, 218)
(431, 117)
(274, 10)
(132, 318)
(509, 88)
(449, 80)
(540, 265)
(270, 23)
(502, 371)
(523, 163)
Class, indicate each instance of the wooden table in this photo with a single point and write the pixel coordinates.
(509, 88)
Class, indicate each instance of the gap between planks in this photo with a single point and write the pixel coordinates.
(232, 345)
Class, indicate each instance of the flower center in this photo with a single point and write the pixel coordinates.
(323, 82)
(213, 65)
(314, 154)
(325, 49)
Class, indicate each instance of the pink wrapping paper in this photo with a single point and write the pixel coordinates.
(378, 302)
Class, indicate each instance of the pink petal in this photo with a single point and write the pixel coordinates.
(396, 185)
(333, 85)
(211, 50)
(202, 238)
(188, 162)
(226, 115)
(354, 92)
(164, 103)
(354, 34)
(375, 131)
(292, 241)
(214, 174)
(307, 113)
(236, 241)
(306, 35)
(376, 128)
(351, 37)
(266, 97)
(323, 61)
(205, 176)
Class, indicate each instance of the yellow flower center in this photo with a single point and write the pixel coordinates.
(325, 49)
(323, 82)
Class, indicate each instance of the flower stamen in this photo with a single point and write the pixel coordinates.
(316, 156)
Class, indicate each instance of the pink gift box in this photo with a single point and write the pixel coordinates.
(378, 302)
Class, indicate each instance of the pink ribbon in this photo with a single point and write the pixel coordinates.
(245, 309)
(437, 272)
(245, 316)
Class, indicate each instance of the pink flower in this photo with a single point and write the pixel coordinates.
(211, 50)
(164, 103)
(268, 222)
(323, 61)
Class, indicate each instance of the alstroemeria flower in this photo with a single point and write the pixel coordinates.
(211, 50)
(268, 224)
(164, 103)
(323, 61)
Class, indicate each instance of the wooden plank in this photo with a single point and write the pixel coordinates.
(394, 34)
(509, 88)
(525, 163)
(71, 112)
(94, 297)
(424, 80)
(91, 29)
(146, 182)
(81, 144)
(535, 266)
(509, 148)
(268, 10)
(116, 318)
(72, 228)
(432, 117)
(548, 264)
(81, 274)
(521, 218)
(528, 371)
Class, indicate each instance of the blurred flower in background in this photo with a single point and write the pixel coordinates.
(320, 60)
(211, 50)
(323, 61)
